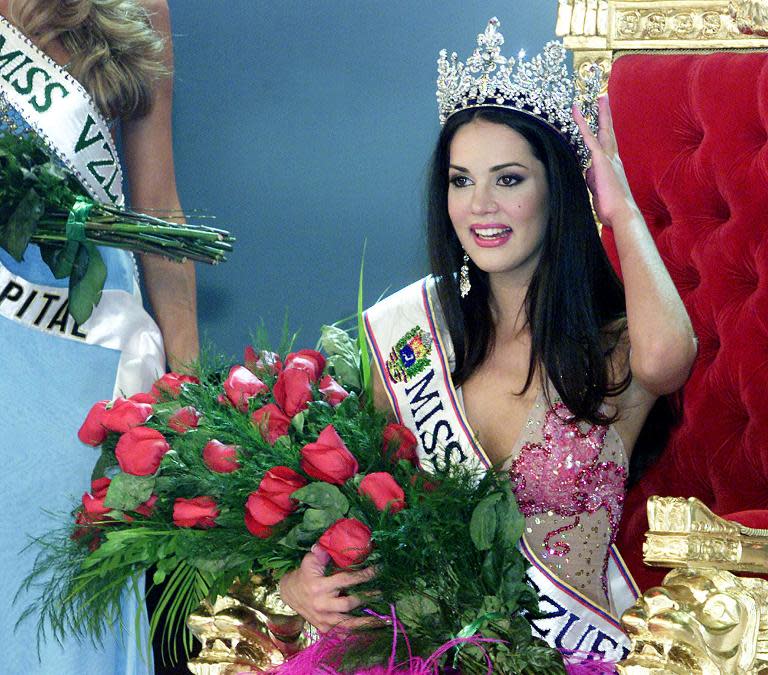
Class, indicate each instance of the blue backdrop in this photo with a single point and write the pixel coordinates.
(306, 128)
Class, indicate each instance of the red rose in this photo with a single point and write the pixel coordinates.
(263, 361)
(279, 483)
(242, 385)
(125, 414)
(140, 450)
(308, 360)
(400, 443)
(293, 391)
(332, 391)
(328, 458)
(219, 457)
(148, 507)
(93, 502)
(256, 528)
(264, 511)
(195, 512)
(347, 541)
(184, 419)
(222, 399)
(92, 432)
(170, 385)
(383, 490)
(143, 397)
(420, 482)
(272, 422)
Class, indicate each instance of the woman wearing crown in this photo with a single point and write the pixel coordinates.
(523, 352)
(78, 67)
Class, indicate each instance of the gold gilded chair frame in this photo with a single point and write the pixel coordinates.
(703, 619)
(598, 31)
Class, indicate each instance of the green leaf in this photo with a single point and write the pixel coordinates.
(298, 422)
(346, 371)
(86, 282)
(317, 520)
(298, 538)
(413, 609)
(126, 491)
(492, 568)
(60, 258)
(482, 526)
(362, 345)
(21, 225)
(323, 496)
(336, 342)
(105, 462)
(511, 522)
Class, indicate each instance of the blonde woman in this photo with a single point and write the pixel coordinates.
(71, 71)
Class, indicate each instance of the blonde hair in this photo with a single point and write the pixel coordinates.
(114, 52)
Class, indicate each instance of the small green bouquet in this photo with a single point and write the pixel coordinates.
(240, 470)
(41, 202)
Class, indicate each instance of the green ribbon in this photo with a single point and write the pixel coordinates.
(477, 624)
(469, 630)
(78, 217)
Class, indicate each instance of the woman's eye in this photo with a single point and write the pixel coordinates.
(508, 180)
(459, 181)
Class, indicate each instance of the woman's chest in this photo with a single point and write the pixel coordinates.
(497, 409)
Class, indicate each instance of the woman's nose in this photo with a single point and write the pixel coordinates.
(483, 200)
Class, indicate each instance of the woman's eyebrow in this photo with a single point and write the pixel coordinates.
(499, 167)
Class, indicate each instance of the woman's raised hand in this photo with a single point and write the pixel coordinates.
(606, 179)
(320, 599)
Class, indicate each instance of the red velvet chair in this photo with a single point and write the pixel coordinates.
(693, 134)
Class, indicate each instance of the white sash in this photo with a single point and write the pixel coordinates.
(65, 117)
(62, 113)
(414, 357)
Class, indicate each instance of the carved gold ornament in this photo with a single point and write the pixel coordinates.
(703, 619)
(700, 620)
(751, 16)
(596, 31)
(249, 630)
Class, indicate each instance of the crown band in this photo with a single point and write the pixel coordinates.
(540, 87)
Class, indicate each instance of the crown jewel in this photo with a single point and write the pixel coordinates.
(541, 86)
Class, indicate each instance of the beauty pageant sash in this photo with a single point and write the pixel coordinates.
(62, 113)
(65, 117)
(406, 336)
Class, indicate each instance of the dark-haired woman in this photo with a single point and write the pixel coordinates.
(524, 353)
(69, 73)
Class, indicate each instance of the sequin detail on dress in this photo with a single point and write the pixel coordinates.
(563, 475)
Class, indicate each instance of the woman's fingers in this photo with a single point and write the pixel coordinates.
(589, 137)
(347, 579)
(605, 125)
(344, 604)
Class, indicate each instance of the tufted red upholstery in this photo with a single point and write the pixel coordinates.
(693, 134)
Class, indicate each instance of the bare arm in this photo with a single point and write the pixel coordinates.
(660, 333)
(149, 162)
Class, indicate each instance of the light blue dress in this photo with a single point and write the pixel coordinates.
(47, 385)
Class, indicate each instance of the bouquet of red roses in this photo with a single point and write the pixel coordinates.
(241, 470)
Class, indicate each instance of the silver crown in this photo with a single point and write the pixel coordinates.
(541, 86)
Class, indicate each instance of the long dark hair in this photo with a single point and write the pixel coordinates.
(575, 306)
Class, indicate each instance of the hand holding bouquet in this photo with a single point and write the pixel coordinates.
(242, 470)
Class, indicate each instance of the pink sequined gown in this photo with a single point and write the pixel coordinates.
(569, 482)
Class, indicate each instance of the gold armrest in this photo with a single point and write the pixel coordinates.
(684, 532)
(249, 630)
(703, 619)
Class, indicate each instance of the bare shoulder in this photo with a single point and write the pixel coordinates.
(156, 7)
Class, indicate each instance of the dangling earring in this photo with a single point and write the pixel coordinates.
(464, 284)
